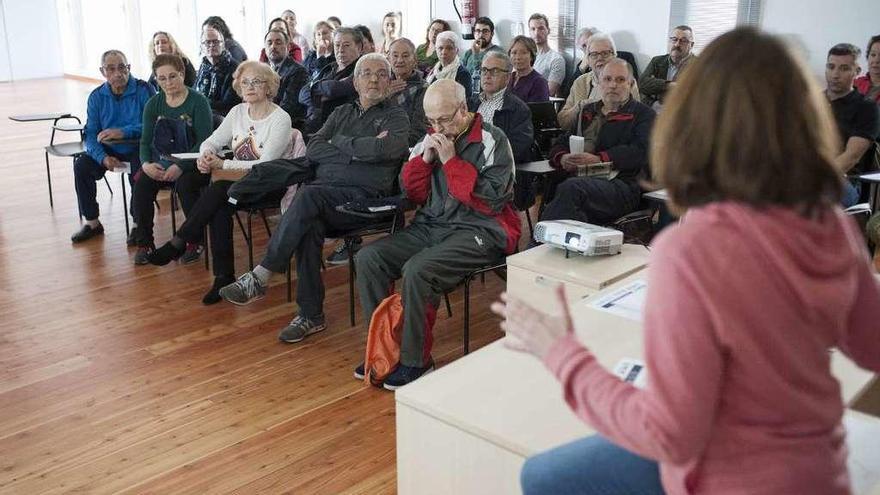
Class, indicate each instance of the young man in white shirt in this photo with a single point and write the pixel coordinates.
(549, 63)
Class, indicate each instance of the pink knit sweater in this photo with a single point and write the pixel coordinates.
(743, 309)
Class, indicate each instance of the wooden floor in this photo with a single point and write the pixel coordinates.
(115, 379)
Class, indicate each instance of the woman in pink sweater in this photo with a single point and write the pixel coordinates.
(747, 297)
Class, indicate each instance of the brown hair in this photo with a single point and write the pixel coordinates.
(168, 59)
(747, 123)
(446, 27)
(540, 17)
(528, 43)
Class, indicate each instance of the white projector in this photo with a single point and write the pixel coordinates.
(584, 238)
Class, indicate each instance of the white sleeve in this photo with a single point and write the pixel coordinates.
(222, 136)
(277, 140)
(557, 69)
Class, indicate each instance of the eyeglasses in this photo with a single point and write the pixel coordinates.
(252, 83)
(368, 74)
(171, 77)
(121, 68)
(442, 121)
(482, 30)
(676, 41)
(211, 42)
(602, 54)
(494, 72)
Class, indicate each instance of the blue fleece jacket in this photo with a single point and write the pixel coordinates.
(108, 111)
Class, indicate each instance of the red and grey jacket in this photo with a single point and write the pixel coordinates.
(623, 139)
(474, 189)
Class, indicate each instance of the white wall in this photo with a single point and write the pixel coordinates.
(817, 25)
(33, 39)
(5, 67)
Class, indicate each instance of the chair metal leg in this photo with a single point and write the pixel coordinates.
(207, 251)
(349, 246)
(250, 237)
(467, 315)
(108, 185)
(529, 221)
(289, 284)
(266, 222)
(173, 212)
(448, 306)
(49, 181)
(125, 205)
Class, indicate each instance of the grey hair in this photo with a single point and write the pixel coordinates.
(602, 37)
(685, 27)
(619, 61)
(409, 44)
(447, 36)
(113, 52)
(372, 56)
(589, 32)
(354, 33)
(502, 57)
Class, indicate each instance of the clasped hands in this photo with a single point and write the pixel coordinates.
(571, 161)
(438, 146)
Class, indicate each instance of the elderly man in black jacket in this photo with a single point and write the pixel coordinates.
(615, 130)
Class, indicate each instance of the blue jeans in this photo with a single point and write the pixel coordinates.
(590, 466)
(852, 190)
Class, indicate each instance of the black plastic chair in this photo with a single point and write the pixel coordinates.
(65, 150)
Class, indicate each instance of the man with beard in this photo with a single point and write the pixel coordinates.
(334, 85)
(293, 76)
(549, 63)
(484, 30)
(663, 70)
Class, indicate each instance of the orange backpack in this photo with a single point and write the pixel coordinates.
(383, 341)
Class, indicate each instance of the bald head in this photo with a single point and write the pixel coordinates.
(446, 107)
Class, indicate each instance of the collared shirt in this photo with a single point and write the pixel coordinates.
(490, 104)
(674, 69)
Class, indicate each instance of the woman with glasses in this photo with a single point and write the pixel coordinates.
(162, 43)
(293, 49)
(255, 131)
(526, 82)
(214, 79)
(176, 120)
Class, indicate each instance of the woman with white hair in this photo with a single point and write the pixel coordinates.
(448, 65)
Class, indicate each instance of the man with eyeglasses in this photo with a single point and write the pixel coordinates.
(615, 130)
(214, 79)
(333, 86)
(484, 30)
(548, 62)
(663, 70)
(114, 112)
(586, 88)
(462, 175)
(355, 156)
(294, 77)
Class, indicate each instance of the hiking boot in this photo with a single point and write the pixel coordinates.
(142, 257)
(246, 289)
(406, 374)
(192, 254)
(213, 294)
(300, 327)
(131, 240)
(359, 372)
(165, 254)
(339, 256)
(87, 232)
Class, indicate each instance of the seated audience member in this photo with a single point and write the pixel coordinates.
(214, 79)
(407, 87)
(869, 84)
(527, 83)
(548, 62)
(448, 64)
(392, 26)
(664, 70)
(737, 400)
(857, 117)
(462, 174)
(369, 46)
(114, 111)
(293, 50)
(484, 31)
(355, 155)
(322, 52)
(583, 66)
(426, 53)
(616, 130)
(334, 22)
(334, 85)
(297, 38)
(293, 76)
(163, 43)
(176, 120)
(586, 88)
(233, 47)
(256, 131)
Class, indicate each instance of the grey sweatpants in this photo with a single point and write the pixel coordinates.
(431, 261)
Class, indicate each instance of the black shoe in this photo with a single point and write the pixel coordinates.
(192, 254)
(142, 257)
(359, 372)
(131, 240)
(213, 295)
(86, 233)
(339, 256)
(165, 254)
(406, 374)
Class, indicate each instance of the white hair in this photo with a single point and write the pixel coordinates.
(602, 37)
(589, 32)
(372, 56)
(447, 36)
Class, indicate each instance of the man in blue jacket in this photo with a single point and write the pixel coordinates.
(114, 112)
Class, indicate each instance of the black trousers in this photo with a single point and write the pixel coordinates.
(593, 200)
(86, 171)
(189, 186)
(311, 217)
